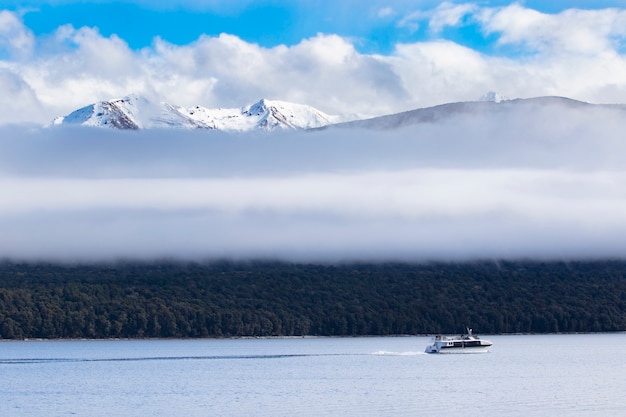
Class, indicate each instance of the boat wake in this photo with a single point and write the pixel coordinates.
(16, 361)
(150, 358)
(171, 358)
(386, 353)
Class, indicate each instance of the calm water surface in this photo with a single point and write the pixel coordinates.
(554, 375)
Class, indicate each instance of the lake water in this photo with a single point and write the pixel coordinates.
(547, 375)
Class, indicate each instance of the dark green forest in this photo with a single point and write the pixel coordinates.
(231, 299)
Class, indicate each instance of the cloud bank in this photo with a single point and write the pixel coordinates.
(574, 53)
(546, 184)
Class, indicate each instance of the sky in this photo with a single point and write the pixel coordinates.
(540, 182)
(343, 57)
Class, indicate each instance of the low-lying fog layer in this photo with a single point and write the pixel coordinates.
(539, 184)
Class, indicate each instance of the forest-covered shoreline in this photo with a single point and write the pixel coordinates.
(263, 298)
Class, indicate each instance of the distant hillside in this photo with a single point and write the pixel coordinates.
(494, 105)
(275, 299)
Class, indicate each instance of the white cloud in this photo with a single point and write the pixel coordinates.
(449, 14)
(593, 32)
(442, 71)
(14, 36)
(94, 55)
(445, 14)
(18, 101)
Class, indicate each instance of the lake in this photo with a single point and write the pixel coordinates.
(539, 375)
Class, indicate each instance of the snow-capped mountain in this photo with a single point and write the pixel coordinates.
(134, 112)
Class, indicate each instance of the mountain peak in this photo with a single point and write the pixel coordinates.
(258, 108)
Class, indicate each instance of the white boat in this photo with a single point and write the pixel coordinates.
(467, 343)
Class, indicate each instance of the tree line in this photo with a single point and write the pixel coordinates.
(231, 299)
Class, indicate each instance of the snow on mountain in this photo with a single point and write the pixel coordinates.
(134, 112)
(119, 114)
(265, 115)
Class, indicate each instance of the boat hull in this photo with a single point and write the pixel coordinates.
(462, 344)
(481, 349)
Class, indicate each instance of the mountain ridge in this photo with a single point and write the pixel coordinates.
(442, 112)
(134, 112)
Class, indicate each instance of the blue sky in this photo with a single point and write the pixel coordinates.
(374, 26)
(343, 57)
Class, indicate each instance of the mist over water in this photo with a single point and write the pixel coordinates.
(529, 183)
